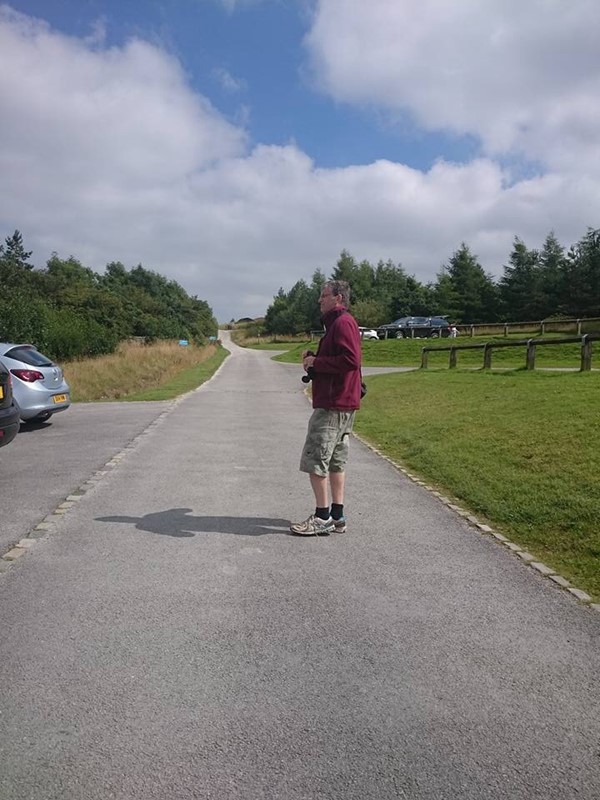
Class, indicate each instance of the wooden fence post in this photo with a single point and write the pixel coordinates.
(453, 355)
(424, 356)
(530, 357)
(586, 354)
(487, 356)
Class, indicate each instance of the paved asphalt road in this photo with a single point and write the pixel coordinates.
(47, 462)
(169, 639)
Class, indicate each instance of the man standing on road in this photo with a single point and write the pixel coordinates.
(336, 393)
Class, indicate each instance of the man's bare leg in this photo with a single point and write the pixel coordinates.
(337, 480)
(319, 487)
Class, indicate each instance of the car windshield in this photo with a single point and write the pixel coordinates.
(28, 355)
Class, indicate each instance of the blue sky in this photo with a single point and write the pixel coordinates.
(237, 145)
(260, 47)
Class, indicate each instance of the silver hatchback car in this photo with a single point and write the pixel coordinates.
(39, 387)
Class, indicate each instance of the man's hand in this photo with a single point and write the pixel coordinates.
(308, 358)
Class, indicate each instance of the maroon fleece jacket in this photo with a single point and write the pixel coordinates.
(336, 381)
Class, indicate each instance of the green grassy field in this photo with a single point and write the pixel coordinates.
(407, 353)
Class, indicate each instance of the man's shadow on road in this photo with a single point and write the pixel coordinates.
(178, 522)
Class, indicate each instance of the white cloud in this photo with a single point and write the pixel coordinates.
(108, 154)
(521, 76)
(227, 81)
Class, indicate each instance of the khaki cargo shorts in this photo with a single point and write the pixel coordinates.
(326, 446)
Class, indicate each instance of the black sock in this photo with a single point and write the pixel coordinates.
(322, 513)
(337, 510)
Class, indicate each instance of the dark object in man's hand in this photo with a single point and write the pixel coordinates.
(310, 372)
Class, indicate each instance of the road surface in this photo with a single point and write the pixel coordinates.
(168, 639)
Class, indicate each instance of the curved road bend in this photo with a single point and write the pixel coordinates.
(170, 640)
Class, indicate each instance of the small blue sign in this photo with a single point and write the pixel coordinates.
(183, 342)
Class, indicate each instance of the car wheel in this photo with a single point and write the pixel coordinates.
(43, 417)
(435, 335)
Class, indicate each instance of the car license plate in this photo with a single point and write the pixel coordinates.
(60, 398)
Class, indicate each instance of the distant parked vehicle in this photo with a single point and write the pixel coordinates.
(368, 333)
(38, 385)
(9, 413)
(393, 330)
(416, 328)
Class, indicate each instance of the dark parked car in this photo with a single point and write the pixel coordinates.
(416, 328)
(9, 413)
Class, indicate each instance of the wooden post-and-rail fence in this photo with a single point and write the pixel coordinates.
(531, 345)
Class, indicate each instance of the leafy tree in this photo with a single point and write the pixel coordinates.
(360, 276)
(296, 311)
(63, 274)
(520, 286)
(157, 307)
(23, 318)
(345, 268)
(475, 292)
(582, 276)
(446, 301)
(401, 295)
(369, 313)
(278, 317)
(14, 251)
(15, 269)
(553, 264)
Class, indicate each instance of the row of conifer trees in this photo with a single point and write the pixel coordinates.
(551, 282)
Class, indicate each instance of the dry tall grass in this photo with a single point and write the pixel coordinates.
(131, 369)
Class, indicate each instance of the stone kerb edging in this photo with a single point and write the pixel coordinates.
(526, 558)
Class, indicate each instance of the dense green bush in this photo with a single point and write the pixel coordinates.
(69, 336)
(69, 311)
(22, 318)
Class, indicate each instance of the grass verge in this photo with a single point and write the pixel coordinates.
(185, 381)
(158, 371)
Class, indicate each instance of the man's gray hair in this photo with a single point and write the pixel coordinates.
(342, 288)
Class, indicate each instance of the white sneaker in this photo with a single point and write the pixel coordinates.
(313, 526)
